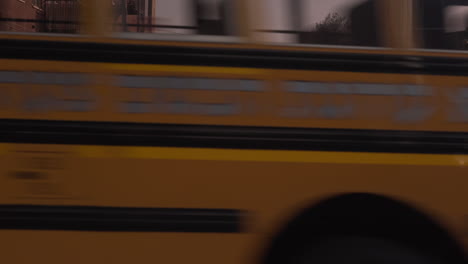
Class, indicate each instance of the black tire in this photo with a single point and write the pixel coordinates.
(360, 250)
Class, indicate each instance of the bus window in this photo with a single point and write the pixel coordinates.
(443, 24)
(456, 27)
(43, 16)
(328, 22)
(186, 17)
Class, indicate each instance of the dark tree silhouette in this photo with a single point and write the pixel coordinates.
(333, 23)
(335, 29)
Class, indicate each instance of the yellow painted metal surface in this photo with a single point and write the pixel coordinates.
(271, 191)
(271, 185)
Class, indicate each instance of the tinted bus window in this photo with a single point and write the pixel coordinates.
(189, 17)
(443, 24)
(44, 16)
(329, 22)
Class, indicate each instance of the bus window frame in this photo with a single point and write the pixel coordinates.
(178, 37)
(322, 46)
(446, 51)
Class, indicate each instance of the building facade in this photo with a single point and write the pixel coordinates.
(21, 15)
(47, 16)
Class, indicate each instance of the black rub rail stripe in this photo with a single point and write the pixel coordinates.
(230, 57)
(119, 219)
(231, 137)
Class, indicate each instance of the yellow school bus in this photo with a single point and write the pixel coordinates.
(122, 143)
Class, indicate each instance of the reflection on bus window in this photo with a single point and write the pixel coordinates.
(329, 22)
(45, 16)
(443, 24)
(456, 27)
(202, 17)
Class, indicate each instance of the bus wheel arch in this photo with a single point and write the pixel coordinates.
(368, 215)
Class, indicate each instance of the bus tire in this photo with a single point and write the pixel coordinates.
(354, 250)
